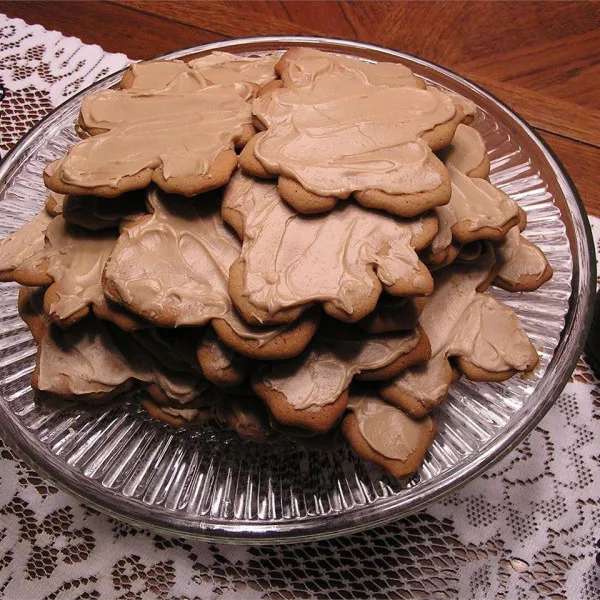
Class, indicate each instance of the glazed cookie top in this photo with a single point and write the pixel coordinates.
(291, 260)
(81, 361)
(23, 243)
(477, 209)
(172, 266)
(467, 150)
(518, 257)
(340, 133)
(224, 67)
(167, 116)
(461, 321)
(74, 259)
(321, 374)
(388, 430)
(301, 66)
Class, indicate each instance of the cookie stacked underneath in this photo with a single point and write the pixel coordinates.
(330, 277)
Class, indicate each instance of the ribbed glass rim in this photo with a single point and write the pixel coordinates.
(358, 518)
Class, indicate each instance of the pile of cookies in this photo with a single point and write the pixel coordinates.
(296, 245)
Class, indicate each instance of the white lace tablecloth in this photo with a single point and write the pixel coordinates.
(529, 528)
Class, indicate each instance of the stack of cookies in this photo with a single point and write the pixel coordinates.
(295, 245)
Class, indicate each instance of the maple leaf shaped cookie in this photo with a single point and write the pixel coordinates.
(311, 390)
(165, 124)
(481, 336)
(172, 267)
(340, 126)
(341, 260)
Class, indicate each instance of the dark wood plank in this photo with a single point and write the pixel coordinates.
(221, 18)
(581, 162)
(545, 112)
(566, 69)
(114, 28)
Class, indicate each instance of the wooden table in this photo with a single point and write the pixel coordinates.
(541, 58)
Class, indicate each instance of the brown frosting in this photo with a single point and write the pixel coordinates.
(177, 260)
(178, 124)
(291, 260)
(81, 361)
(304, 65)
(518, 257)
(467, 150)
(342, 135)
(23, 243)
(153, 75)
(76, 258)
(224, 67)
(388, 430)
(475, 203)
(320, 375)
(460, 321)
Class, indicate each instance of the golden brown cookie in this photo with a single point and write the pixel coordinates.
(310, 390)
(342, 126)
(71, 263)
(522, 266)
(477, 210)
(172, 267)
(342, 260)
(20, 246)
(482, 337)
(385, 435)
(127, 148)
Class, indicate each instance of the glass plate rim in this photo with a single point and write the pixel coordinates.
(577, 321)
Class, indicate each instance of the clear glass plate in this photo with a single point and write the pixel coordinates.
(209, 484)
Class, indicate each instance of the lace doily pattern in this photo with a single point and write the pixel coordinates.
(528, 528)
(39, 70)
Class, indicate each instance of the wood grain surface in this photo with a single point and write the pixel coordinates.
(540, 58)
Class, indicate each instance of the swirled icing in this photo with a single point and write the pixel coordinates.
(76, 258)
(291, 260)
(177, 259)
(474, 203)
(341, 135)
(388, 430)
(181, 125)
(23, 243)
(224, 67)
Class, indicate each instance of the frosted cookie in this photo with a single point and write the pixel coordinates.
(311, 390)
(467, 153)
(385, 435)
(166, 124)
(80, 363)
(342, 260)
(71, 263)
(220, 365)
(246, 415)
(481, 336)
(477, 210)
(19, 246)
(339, 128)
(522, 266)
(172, 268)
(224, 67)
(195, 413)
